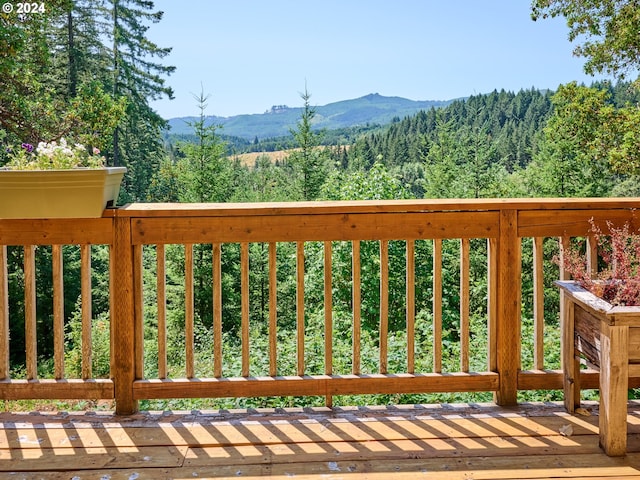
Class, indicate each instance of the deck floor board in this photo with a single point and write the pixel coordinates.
(530, 441)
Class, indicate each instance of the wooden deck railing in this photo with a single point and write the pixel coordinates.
(491, 232)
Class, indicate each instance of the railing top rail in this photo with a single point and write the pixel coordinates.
(366, 206)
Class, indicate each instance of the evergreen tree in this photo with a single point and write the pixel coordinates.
(137, 141)
(44, 93)
(579, 142)
(204, 170)
(309, 162)
(441, 173)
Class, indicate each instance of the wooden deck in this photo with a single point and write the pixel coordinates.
(530, 441)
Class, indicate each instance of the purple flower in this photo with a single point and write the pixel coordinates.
(28, 147)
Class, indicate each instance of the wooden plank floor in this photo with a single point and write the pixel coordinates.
(531, 441)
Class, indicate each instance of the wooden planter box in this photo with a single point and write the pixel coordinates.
(608, 338)
(77, 193)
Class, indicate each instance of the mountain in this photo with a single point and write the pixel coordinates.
(277, 122)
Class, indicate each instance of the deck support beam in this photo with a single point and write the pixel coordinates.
(509, 299)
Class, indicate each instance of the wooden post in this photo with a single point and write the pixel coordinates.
(123, 318)
(571, 368)
(614, 383)
(508, 328)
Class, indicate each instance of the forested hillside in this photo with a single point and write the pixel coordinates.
(276, 122)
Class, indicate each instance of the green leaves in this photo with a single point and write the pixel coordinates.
(608, 29)
(590, 126)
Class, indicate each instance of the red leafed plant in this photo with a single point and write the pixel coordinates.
(618, 278)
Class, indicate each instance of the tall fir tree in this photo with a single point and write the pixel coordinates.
(47, 88)
(309, 161)
(137, 141)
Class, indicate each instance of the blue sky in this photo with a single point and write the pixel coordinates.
(248, 55)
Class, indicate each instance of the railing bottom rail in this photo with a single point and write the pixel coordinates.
(310, 385)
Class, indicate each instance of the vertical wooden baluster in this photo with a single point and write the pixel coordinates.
(31, 341)
(138, 308)
(564, 244)
(492, 303)
(384, 305)
(464, 305)
(244, 289)
(112, 309)
(273, 310)
(592, 255)
(437, 305)
(300, 305)
(85, 282)
(217, 309)
(538, 303)
(58, 311)
(411, 305)
(4, 315)
(328, 316)
(355, 260)
(161, 282)
(189, 310)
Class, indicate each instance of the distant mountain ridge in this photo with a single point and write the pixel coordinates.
(280, 119)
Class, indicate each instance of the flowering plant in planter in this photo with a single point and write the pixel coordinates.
(53, 156)
(600, 324)
(618, 280)
(57, 180)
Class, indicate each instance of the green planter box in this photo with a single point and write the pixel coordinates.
(77, 193)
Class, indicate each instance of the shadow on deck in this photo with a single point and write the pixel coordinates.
(530, 441)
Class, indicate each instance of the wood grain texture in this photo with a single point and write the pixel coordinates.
(57, 274)
(292, 228)
(315, 385)
(508, 333)
(465, 332)
(538, 303)
(86, 300)
(161, 293)
(30, 313)
(437, 305)
(122, 320)
(614, 374)
(217, 308)
(431, 442)
(411, 304)
(4, 315)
